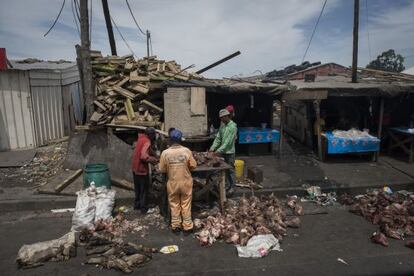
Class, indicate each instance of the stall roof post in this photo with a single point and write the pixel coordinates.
(282, 122)
(317, 106)
(381, 116)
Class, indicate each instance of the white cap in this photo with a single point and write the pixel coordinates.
(224, 112)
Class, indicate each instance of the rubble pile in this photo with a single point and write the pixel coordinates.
(248, 217)
(207, 159)
(291, 69)
(47, 163)
(120, 225)
(129, 90)
(105, 250)
(393, 213)
(245, 182)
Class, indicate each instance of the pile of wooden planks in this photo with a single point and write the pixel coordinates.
(129, 91)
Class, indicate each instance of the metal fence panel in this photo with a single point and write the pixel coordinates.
(16, 114)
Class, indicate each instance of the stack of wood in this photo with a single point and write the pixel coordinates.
(129, 91)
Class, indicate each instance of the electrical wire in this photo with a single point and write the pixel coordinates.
(367, 23)
(77, 9)
(314, 30)
(120, 34)
(56, 19)
(133, 17)
(74, 16)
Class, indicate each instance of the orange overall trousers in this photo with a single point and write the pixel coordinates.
(177, 162)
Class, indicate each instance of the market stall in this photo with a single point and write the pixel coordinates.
(254, 135)
(348, 142)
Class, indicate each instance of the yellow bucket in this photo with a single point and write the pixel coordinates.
(239, 165)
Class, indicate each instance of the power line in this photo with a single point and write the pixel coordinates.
(56, 19)
(120, 34)
(74, 16)
(368, 40)
(133, 17)
(77, 9)
(314, 30)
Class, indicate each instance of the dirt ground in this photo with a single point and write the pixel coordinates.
(312, 249)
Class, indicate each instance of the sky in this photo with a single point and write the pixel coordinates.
(271, 34)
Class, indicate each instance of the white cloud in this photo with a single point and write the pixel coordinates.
(268, 33)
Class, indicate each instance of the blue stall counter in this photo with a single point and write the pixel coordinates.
(256, 135)
(339, 145)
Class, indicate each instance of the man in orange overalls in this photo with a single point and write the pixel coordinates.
(178, 162)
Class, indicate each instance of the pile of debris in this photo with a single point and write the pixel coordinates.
(291, 69)
(129, 91)
(248, 217)
(314, 194)
(120, 224)
(47, 163)
(393, 213)
(245, 182)
(207, 159)
(106, 251)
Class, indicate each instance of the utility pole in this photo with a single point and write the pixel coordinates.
(109, 26)
(85, 59)
(355, 46)
(148, 38)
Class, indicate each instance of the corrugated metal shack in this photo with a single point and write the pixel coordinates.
(39, 102)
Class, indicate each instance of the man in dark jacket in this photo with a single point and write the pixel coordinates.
(141, 158)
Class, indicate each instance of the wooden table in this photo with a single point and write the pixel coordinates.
(403, 139)
(208, 171)
(210, 184)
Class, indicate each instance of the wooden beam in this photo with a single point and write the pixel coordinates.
(140, 88)
(124, 92)
(122, 183)
(68, 181)
(305, 95)
(164, 133)
(147, 103)
(129, 110)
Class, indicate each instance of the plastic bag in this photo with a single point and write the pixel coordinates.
(32, 255)
(259, 246)
(84, 214)
(168, 249)
(104, 203)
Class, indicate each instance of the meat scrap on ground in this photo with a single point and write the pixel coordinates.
(248, 217)
(391, 212)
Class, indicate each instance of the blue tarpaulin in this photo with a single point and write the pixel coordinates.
(338, 145)
(253, 135)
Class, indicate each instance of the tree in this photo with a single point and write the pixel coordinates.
(388, 61)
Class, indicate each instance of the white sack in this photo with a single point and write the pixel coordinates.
(37, 253)
(104, 203)
(84, 214)
(259, 246)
